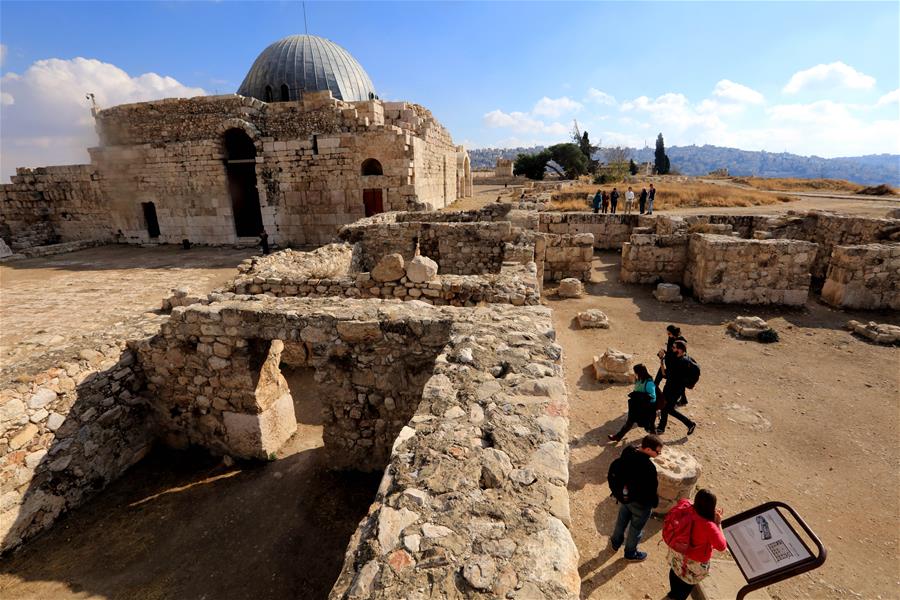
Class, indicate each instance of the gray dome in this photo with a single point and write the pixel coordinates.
(306, 63)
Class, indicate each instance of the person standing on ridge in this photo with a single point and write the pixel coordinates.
(613, 200)
(650, 198)
(629, 200)
(598, 197)
(642, 201)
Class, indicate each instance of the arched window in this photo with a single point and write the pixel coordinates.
(268, 95)
(371, 166)
(285, 96)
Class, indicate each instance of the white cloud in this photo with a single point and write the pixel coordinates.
(889, 98)
(2, 54)
(46, 118)
(674, 112)
(735, 92)
(521, 122)
(598, 97)
(830, 76)
(555, 107)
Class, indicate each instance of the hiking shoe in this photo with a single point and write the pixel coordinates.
(692, 428)
(638, 556)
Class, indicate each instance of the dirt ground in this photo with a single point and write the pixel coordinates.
(811, 420)
(184, 525)
(75, 300)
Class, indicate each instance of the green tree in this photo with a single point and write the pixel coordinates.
(570, 158)
(661, 162)
(531, 166)
(588, 149)
(632, 167)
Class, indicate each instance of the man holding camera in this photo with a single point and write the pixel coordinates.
(677, 374)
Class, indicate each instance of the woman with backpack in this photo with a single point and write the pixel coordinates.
(641, 404)
(692, 532)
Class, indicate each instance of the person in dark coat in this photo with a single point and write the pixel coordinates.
(676, 377)
(613, 200)
(642, 495)
(598, 198)
(641, 404)
(264, 241)
(642, 201)
(604, 199)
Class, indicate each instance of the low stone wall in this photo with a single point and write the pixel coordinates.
(610, 231)
(650, 258)
(733, 270)
(514, 284)
(566, 255)
(865, 276)
(64, 435)
(459, 248)
(488, 213)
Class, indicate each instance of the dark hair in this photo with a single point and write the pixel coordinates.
(641, 372)
(705, 504)
(676, 331)
(679, 344)
(651, 442)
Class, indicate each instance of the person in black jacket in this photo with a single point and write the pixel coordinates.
(676, 374)
(613, 200)
(641, 498)
(642, 201)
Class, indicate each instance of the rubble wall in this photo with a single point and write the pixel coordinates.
(459, 248)
(64, 435)
(733, 270)
(864, 276)
(48, 205)
(651, 258)
(567, 255)
(610, 231)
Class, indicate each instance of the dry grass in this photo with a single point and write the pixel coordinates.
(793, 184)
(671, 195)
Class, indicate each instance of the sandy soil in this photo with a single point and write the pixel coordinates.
(183, 525)
(811, 420)
(73, 300)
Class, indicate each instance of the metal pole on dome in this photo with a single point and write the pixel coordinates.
(305, 24)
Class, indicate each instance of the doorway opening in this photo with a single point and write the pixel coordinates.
(151, 219)
(372, 200)
(240, 165)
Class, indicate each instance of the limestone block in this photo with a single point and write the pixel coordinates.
(677, 473)
(878, 333)
(668, 292)
(570, 288)
(389, 268)
(614, 366)
(593, 318)
(421, 269)
(260, 435)
(748, 327)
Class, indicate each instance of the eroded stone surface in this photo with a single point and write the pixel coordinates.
(593, 318)
(570, 288)
(614, 366)
(881, 333)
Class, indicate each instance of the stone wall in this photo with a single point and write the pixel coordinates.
(650, 258)
(865, 276)
(733, 270)
(49, 204)
(610, 231)
(566, 255)
(65, 433)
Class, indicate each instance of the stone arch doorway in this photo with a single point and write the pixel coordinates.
(240, 165)
(151, 219)
(373, 202)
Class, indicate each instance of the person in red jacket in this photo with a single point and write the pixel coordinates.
(688, 569)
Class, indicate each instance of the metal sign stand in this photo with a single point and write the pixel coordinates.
(766, 547)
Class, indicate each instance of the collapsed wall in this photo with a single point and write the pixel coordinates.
(865, 276)
(65, 435)
(733, 270)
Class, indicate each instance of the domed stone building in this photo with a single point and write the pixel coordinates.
(304, 147)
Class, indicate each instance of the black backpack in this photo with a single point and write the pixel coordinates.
(617, 479)
(692, 372)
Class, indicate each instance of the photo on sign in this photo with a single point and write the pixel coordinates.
(764, 544)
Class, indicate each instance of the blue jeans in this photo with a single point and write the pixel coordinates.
(635, 514)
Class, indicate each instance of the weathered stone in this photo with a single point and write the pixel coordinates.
(677, 473)
(593, 318)
(41, 398)
(495, 467)
(570, 288)
(421, 269)
(432, 531)
(614, 366)
(11, 410)
(668, 292)
(748, 327)
(390, 523)
(389, 268)
(881, 333)
(54, 421)
(480, 572)
(23, 437)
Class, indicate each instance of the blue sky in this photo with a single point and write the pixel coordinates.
(812, 78)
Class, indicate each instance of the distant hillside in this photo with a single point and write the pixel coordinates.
(700, 160)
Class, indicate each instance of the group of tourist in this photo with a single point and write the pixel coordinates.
(633, 479)
(607, 203)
